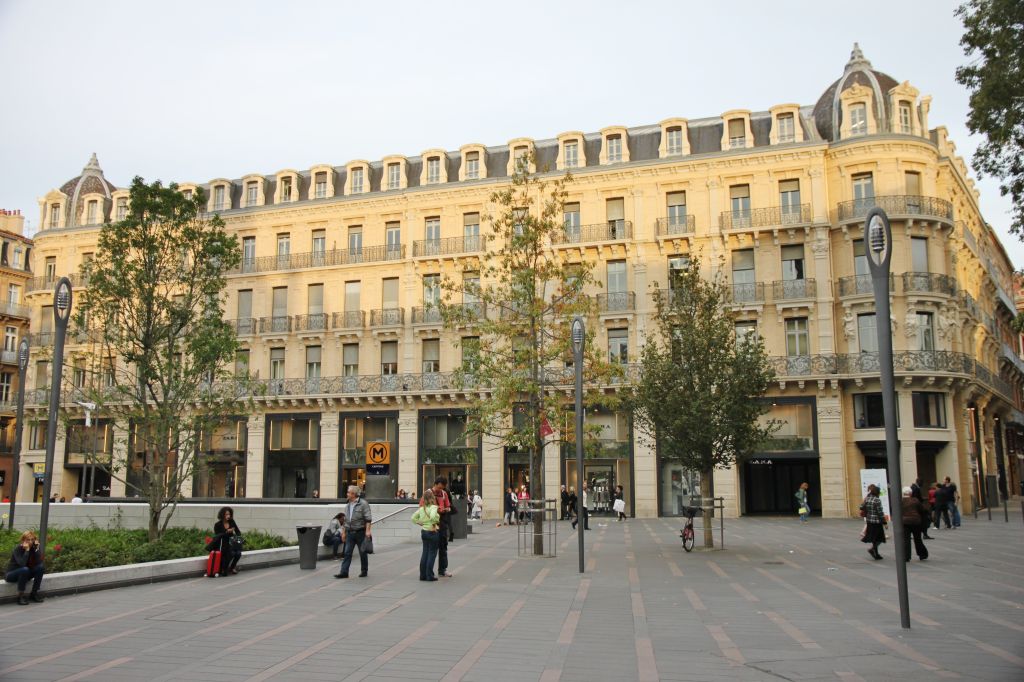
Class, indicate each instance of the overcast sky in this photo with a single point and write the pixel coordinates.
(190, 91)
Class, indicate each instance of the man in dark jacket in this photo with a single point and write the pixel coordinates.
(926, 519)
(942, 506)
(26, 564)
(565, 503)
(913, 513)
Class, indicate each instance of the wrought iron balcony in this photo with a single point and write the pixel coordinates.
(748, 292)
(804, 365)
(315, 259)
(9, 357)
(856, 285)
(473, 310)
(897, 205)
(676, 225)
(281, 324)
(430, 314)
(244, 326)
(928, 282)
(613, 230)
(45, 283)
(387, 317)
(449, 246)
(773, 216)
(39, 339)
(970, 305)
(349, 319)
(317, 322)
(616, 301)
(15, 310)
(790, 289)
(356, 385)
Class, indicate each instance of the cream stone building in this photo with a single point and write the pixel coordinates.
(332, 303)
(15, 255)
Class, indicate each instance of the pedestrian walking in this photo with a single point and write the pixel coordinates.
(564, 496)
(478, 504)
(926, 518)
(428, 519)
(358, 523)
(803, 507)
(913, 512)
(334, 536)
(230, 536)
(619, 502)
(953, 502)
(874, 521)
(444, 510)
(583, 509)
(573, 513)
(941, 510)
(510, 501)
(26, 564)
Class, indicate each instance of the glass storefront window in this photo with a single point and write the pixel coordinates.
(292, 466)
(447, 450)
(676, 485)
(795, 428)
(356, 432)
(220, 461)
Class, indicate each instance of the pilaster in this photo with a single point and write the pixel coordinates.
(491, 477)
(255, 457)
(645, 477)
(832, 461)
(408, 444)
(329, 464)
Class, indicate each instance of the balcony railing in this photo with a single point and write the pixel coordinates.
(15, 310)
(897, 205)
(773, 216)
(281, 324)
(9, 357)
(929, 282)
(616, 301)
(430, 314)
(613, 230)
(349, 319)
(748, 292)
(315, 259)
(859, 284)
(449, 246)
(676, 224)
(244, 326)
(316, 322)
(45, 283)
(790, 289)
(970, 305)
(852, 364)
(387, 317)
(39, 339)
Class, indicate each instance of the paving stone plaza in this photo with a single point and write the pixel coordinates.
(782, 601)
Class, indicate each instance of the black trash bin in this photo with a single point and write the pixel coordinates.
(309, 545)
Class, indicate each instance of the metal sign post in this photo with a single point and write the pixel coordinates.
(578, 336)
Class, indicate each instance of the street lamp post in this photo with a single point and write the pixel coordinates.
(61, 314)
(879, 238)
(578, 336)
(19, 427)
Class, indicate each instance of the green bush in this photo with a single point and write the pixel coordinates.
(74, 549)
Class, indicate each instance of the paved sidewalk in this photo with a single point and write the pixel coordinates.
(783, 601)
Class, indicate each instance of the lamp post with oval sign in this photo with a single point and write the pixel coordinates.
(579, 334)
(19, 428)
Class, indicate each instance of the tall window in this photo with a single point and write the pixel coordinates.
(912, 185)
(676, 264)
(929, 410)
(355, 240)
(277, 363)
(11, 339)
(286, 189)
(313, 362)
(863, 190)
(315, 303)
(284, 244)
(394, 175)
(674, 140)
(925, 332)
(470, 287)
(789, 198)
(746, 332)
(350, 359)
(615, 210)
(860, 259)
(571, 219)
(521, 158)
(739, 204)
(473, 166)
(352, 291)
(91, 213)
(905, 125)
(357, 181)
(13, 294)
(431, 290)
(616, 276)
(431, 356)
(54, 215)
(867, 333)
(793, 262)
(433, 170)
(786, 128)
(280, 303)
(744, 287)
(470, 354)
(320, 185)
(244, 311)
(218, 198)
(858, 119)
(242, 362)
(868, 412)
(122, 209)
(614, 148)
(389, 357)
(737, 133)
(432, 236)
(618, 345)
(676, 210)
(248, 253)
(50, 268)
(797, 342)
(571, 154)
(389, 293)
(319, 242)
(187, 194)
(471, 231)
(250, 193)
(393, 240)
(919, 254)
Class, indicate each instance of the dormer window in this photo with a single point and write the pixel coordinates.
(787, 130)
(218, 198)
(905, 125)
(737, 134)
(674, 141)
(571, 154)
(433, 170)
(54, 215)
(394, 175)
(122, 209)
(251, 189)
(91, 210)
(357, 181)
(187, 194)
(614, 143)
(521, 156)
(286, 189)
(858, 119)
(17, 258)
(473, 166)
(321, 185)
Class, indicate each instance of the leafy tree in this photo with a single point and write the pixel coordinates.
(994, 39)
(160, 348)
(520, 306)
(699, 389)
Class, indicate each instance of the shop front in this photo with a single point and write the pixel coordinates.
(367, 440)
(87, 456)
(771, 477)
(292, 465)
(607, 462)
(445, 449)
(220, 460)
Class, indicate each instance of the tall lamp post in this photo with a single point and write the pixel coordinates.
(19, 427)
(61, 314)
(578, 336)
(879, 238)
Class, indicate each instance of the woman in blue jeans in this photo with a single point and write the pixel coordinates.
(428, 519)
(26, 564)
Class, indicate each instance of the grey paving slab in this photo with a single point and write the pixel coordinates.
(783, 601)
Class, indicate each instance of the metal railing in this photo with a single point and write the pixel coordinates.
(613, 230)
(788, 289)
(616, 301)
(387, 317)
(430, 314)
(15, 310)
(448, 246)
(315, 322)
(45, 283)
(677, 224)
(315, 259)
(772, 216)
(930, 282)
(244, 326)
(748, 292)
(276, 325)
(896, 205)
(349, 319)
(854, 285)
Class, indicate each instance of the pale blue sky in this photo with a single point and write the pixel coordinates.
(193, 90)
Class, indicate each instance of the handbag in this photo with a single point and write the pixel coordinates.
(367, 546)
(328, 536)
(803, 510)
(619, 506)
(236, 542)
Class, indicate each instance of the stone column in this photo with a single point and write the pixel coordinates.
(727, 486)
(832, 460)
(120, 460)
(908, 442)
(492, 480)
(552, 471)
(330, 466)
(645, 477)
(255, 457)
(408, 448)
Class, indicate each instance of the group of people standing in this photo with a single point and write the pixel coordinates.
(920, 510)
(434, 519)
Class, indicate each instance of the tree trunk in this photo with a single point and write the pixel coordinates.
(154, 523)
(707, 495)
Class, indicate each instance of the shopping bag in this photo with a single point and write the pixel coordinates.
(804, 510)
(619, 506)
(367, 545)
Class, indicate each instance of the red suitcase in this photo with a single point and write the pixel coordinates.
(213, 564)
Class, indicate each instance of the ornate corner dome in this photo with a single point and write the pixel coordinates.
(827, 112)
(91, 181)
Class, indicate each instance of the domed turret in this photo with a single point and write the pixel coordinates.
(91, 181)
(828, 113)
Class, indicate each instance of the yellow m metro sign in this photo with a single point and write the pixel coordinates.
(378, 457)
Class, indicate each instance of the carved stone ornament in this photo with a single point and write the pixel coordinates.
(849, 325)
(910, 326)
(829, 411)
(946, 322)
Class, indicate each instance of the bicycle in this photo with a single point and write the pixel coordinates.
(686, 534)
